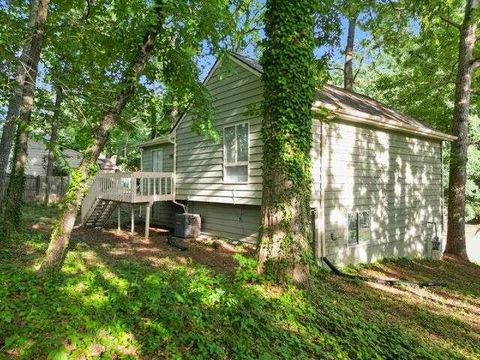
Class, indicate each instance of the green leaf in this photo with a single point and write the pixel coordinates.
(58, 354)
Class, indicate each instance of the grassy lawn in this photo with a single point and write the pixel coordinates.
(126, 298)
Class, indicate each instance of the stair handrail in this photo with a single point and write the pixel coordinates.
(122, 186)
(89, 201)
(114, 184)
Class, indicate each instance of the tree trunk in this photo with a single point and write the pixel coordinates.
(348, 77)
(53, 140)
(153, 135)
(459, 149)
(8, 133)
(79, 180)
(174, 113)
(284, 242)
(14, 196)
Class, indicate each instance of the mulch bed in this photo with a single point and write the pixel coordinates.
(216, 254)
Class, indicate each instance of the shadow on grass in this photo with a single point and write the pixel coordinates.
(461, 277)
(103, 305)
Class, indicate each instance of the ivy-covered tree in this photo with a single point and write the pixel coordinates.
(78, 183)
(14, 195)
(289, 87)
(153, 27)
(13, 11)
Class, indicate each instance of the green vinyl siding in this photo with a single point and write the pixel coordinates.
(236, 92)
(393, 179)
(396, 178)
(234, 222)
(147, 157)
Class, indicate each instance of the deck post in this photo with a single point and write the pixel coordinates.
(147, 220)
(119, 219)
(132, 219)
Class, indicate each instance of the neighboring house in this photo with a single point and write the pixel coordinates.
(38, 153)
(37, 158)
(377, 174)
(37, 186)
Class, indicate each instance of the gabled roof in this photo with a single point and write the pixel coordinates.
(248, 61)
(351, 106)
(156, 141)
(354, 107)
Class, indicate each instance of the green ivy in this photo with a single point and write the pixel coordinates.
(107, 306)
(290, 82)
(10, 209)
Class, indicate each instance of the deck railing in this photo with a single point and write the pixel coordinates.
(133, 187)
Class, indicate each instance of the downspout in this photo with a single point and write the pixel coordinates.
(174, 187)
(442, 196)
(135, 185)
(321, 215)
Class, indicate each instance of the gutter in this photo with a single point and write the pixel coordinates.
(157, 141)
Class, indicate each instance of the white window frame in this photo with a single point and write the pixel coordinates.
(160, 152)
(358, 241)
(236, 163)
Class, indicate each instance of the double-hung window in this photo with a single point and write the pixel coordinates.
(358, 227)
(235, 153)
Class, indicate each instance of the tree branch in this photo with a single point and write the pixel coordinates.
(475, 63)
(336, 68)
(359, 68)
(87, 10)
(395, 6)
(451, 22)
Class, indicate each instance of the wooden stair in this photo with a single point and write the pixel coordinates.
(100, 213)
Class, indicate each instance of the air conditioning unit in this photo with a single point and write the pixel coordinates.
(188, 225)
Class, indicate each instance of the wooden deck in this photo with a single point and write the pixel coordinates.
(129, 187)
(136, 187)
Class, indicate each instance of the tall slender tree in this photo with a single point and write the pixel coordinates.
(78, 186)
(9, 127)
(459, 151)
(348, 77)
(289, 89)
(14, 196)
(52, 143)
(192, 26)
(358, 13)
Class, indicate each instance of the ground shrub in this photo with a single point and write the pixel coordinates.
(109, 307)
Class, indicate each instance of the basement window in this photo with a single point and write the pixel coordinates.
(235, 154)
(358, 227)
